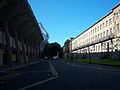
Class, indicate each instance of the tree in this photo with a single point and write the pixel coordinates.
(51, 49)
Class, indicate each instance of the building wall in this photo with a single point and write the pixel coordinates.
(14, 52)
(101, 37)
(19, 41)
(1, 56)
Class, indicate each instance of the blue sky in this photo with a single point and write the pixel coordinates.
(67, 18)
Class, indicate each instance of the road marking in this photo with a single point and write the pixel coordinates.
(43, 81)
(70, 64)
(38, 83)
(53, 69)
(97, 67)
(33, 71)
(9, 76)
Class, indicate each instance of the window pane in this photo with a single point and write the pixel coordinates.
(118, 28)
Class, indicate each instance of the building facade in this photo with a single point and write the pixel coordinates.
(67, 48)
(20, 34)
(100, 40)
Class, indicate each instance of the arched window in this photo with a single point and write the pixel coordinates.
(117, 16)
(103, 25)
(118, 28)
(104, 34)
(98, 36)
(110, 21)
(100, 26)
(101, 35)
(106, 23)
(107, 33)
(110, 31)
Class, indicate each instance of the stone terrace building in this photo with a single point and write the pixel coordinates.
(100, 40)
(20, 34)
(67, 48)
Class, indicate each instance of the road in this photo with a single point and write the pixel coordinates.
(61, 75)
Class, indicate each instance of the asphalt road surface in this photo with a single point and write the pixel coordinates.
(61, 75)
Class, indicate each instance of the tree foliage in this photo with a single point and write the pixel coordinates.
(51, 49)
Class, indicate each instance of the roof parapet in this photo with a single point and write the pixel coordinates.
(116, 6)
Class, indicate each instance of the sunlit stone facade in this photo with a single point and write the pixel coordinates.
(102, 37)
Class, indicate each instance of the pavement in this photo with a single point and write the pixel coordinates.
(5, 68)
(60, 75)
